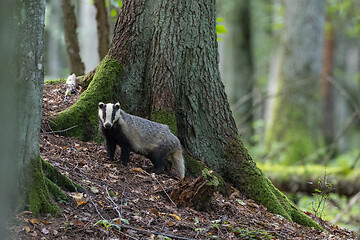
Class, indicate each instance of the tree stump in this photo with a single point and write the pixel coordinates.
(196, 193)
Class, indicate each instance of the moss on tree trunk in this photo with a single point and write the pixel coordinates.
(44, 188)
(251, 181)
(83, 114)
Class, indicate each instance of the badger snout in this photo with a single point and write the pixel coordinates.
(107, 125)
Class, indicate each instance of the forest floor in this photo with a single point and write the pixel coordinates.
(138, 202)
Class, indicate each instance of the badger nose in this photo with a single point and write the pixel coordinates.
(107, 125)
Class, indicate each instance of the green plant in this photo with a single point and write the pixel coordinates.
(322, 195)
(112, 223)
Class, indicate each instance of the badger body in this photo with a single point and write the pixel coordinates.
(134, 134)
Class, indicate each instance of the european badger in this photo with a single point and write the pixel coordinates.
(134, 134)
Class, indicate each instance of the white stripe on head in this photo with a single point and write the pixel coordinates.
(109, 112)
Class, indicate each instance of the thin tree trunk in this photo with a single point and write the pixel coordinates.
(327, 88)
(71, 40)
(103, 28)
(237, 73)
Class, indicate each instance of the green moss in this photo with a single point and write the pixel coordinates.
(194, 169)
(165, 117)
(38, 194)
(58, 179)
(55, 81)
(55, 192)
(252, 182)
(82, 116)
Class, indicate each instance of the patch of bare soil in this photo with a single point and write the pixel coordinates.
(130, 203)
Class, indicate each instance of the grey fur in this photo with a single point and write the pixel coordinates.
(142, 136)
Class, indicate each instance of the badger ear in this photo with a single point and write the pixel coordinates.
(101, 105)
(117, 105)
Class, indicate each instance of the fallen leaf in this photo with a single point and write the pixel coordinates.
(34, 221)
(140, 170)
(155, 211)
(27, 229)
(78, 223)
(80, 202)
(175, 216)
(170, 224)
(45, 222)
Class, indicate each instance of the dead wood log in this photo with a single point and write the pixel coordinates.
(195, 193)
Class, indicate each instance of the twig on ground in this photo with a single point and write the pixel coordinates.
(154, 177)
(60, 131)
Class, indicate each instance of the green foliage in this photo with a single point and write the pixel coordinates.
(220, 29)
(344, 14)
(322, 195)
(332, 210)
(115, 7)
(114, 223)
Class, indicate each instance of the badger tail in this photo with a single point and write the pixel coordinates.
(179, 162)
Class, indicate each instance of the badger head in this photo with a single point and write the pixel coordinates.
(109, 114)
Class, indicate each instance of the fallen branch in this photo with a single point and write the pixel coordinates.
(59, 131)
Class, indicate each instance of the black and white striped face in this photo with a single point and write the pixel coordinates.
(109, 114)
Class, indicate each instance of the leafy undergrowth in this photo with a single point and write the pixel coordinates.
(130, 203)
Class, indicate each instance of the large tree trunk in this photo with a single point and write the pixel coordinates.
(172, 45)
(26, 184)
(71, 40)
(295, 115)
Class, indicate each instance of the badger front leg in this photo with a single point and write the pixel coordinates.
(110, 149)
(125, 153)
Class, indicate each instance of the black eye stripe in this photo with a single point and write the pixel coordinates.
(104, 112)
(113, 114)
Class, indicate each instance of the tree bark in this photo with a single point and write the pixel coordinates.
(295, 115)
(71, 40)
(26, 185)
(103, 28)
(175, 42)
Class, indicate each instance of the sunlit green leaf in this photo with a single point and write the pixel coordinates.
(220, 29)
(113, 12)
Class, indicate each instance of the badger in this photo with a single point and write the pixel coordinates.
(135, 134)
